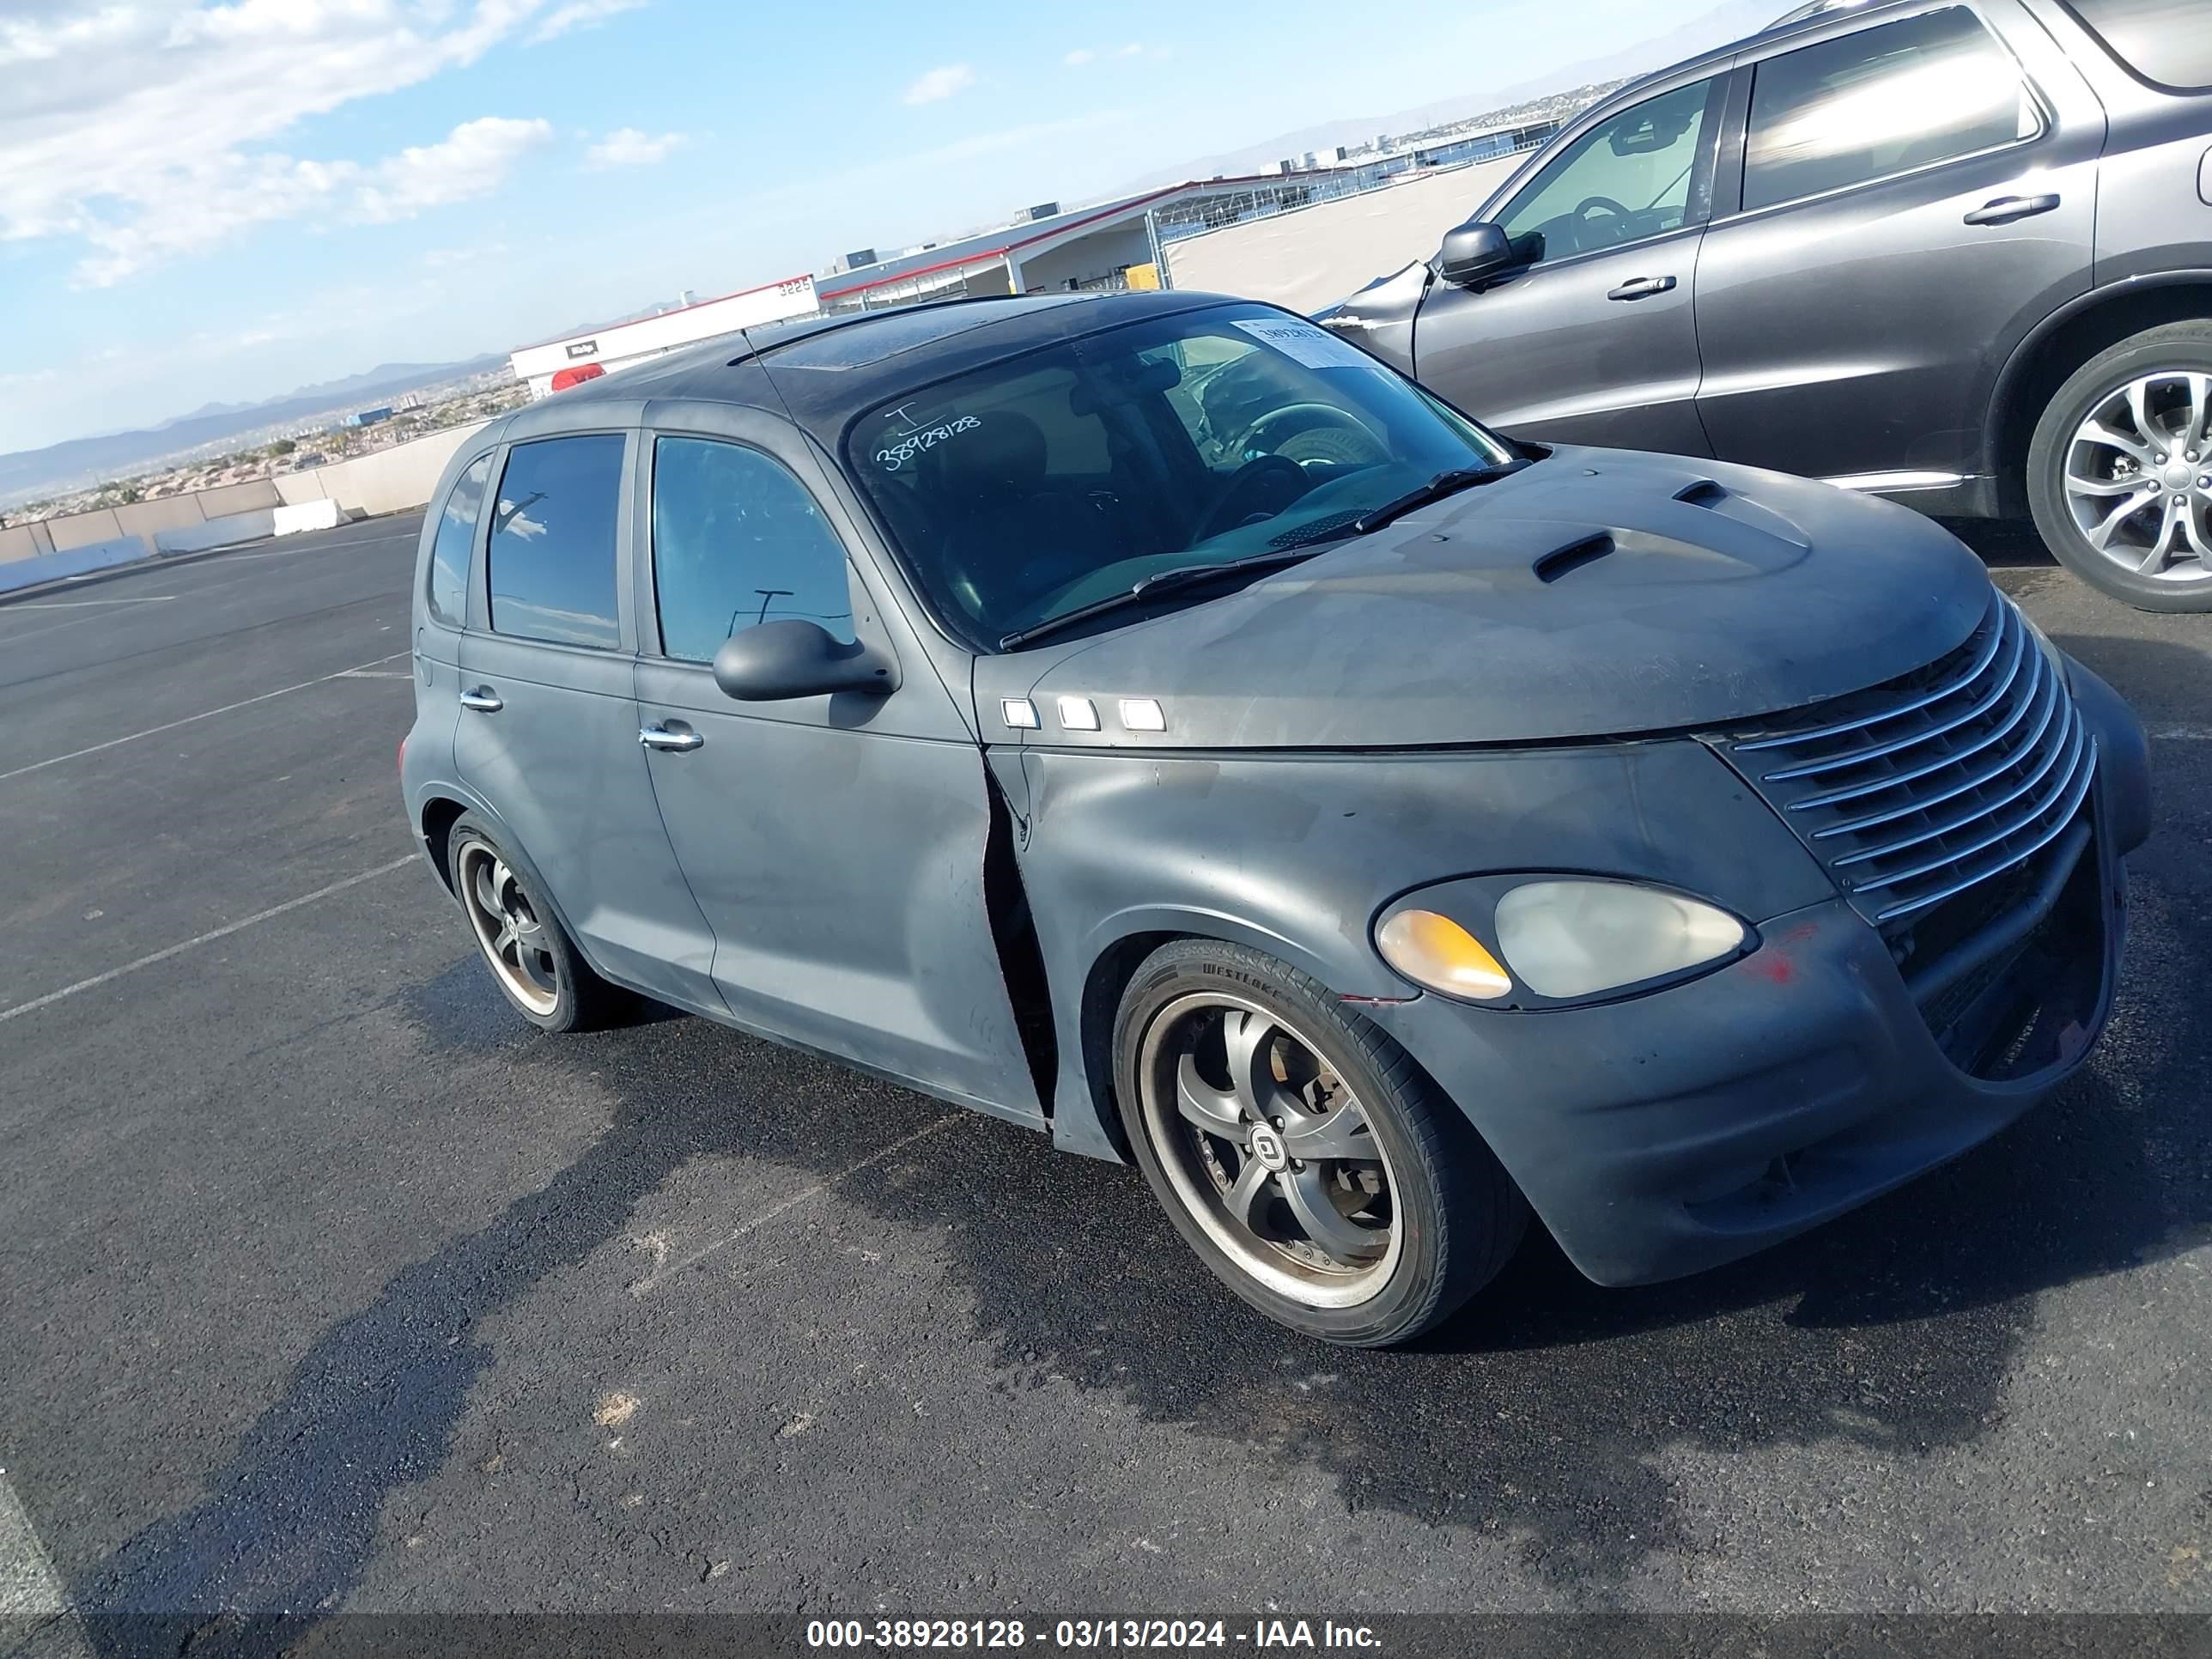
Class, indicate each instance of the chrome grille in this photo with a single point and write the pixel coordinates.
(1917, 790)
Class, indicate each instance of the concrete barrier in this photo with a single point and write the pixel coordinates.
(390, 481)
(25, 541)
(226, 532)
(1313, 257)
(72, 561)
(322, 514)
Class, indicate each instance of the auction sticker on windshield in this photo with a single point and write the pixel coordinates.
(1304, 344)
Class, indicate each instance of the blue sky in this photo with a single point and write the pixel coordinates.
(217, 203)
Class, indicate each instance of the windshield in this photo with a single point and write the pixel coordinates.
(1030, 489)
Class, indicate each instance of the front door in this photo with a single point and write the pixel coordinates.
(1593, 340)
(548, 722)
(836, 843)
(1908, 204)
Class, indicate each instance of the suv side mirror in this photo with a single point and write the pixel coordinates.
(772, 662)
(1473, 251)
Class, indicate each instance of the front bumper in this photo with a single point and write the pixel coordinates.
(1672, 1133)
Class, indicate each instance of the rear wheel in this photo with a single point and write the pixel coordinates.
(1301, 1152)
(2120, 473)
(532, 959)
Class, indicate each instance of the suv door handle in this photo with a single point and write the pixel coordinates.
(483, 700)
(2007, 209)
(1643, 288)
(679, 738)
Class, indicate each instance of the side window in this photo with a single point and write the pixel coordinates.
(1885, 100)
(552, 551)
(1624, 179)
(738, 541)
(2165, 41)
(457, 533)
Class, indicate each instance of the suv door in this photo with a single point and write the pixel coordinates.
(1900, 205)
(835, 842)
(549, 729)
(1592, 339)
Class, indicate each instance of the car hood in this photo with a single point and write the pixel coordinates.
(1596, 594)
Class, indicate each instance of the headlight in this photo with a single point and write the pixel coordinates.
(1435, 951)
(1573, 938)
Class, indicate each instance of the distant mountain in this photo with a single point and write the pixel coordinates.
(1729, 22)
(87, 460)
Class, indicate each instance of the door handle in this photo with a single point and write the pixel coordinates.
(679, 739)
(1643, 288)
(2007, 209)
(483, 700)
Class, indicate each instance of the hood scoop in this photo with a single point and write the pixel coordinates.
(1573, 557)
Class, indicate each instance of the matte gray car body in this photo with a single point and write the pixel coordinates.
(1541, 674)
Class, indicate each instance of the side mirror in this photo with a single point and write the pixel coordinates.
(1473, 251)
(772, 662)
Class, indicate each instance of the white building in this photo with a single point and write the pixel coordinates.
(558, 363)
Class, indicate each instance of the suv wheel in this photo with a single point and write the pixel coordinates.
(2120, 474)
(532, 959)
(1301, 1152)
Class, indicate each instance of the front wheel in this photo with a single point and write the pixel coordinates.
(2119, 473)
(1301, 1152)
(532, 957)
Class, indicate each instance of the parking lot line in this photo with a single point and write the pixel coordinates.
(209, 937)
(208, 713)
(667, 1271)
(86, 604)
(30, 1589)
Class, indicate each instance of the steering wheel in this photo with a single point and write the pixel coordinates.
(1605, 201)
(1248, 489)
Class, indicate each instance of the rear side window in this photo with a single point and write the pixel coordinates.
(552, 553)
(1885, 100)
(738, 541)
(2166, 41)
(457, 533)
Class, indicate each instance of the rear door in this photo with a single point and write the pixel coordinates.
(1900, 204)
(549, 726)
(836, 843)
(1593, 340)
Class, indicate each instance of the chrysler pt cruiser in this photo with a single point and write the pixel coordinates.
(1378, 831)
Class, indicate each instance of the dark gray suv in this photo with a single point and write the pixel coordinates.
(1957, 251)
(1376, 829)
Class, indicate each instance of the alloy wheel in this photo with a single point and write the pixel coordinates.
(516, 941)
(2138, 477)
(1269, 1150)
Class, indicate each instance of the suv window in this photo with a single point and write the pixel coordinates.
(738, 541)
(2167, 41)
(1885, 100)
(552, 553)
(1623, 180)
(457, 533)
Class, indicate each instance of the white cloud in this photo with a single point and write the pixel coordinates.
(941, 83)
(145, 130)
(1135, 49)
(626, 147)
(580, 14)
(472, 160)
(208, 203)
(1080, 56)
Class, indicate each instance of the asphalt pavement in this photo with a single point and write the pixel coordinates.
(326, 1283)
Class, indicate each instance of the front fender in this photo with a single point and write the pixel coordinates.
(1293, 853)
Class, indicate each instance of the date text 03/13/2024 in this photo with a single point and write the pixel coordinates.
(1264, 1635)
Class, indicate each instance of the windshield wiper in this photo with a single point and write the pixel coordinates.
(1444, 484)
(1151, 587)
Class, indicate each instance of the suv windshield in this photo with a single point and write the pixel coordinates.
(1035, 486)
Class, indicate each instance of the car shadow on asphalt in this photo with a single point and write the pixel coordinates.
(1543, 1410)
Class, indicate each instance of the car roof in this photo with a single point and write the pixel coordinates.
(822, 370)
